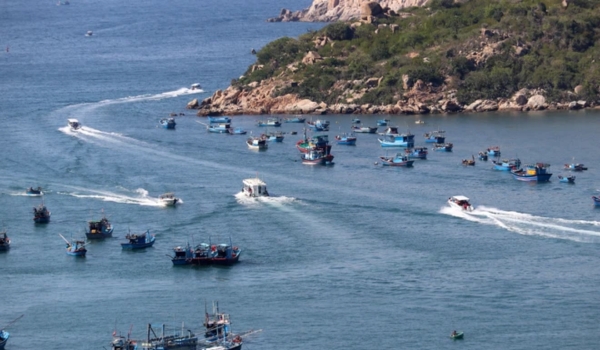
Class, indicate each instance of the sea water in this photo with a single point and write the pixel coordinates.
(349, 256)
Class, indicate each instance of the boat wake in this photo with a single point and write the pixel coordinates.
(141, 198)
(241, 198)
(531, 225)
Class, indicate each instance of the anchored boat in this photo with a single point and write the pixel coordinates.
(398, 160)
(75, 247)
(99, 229)
(41, 214)
(168, 123)
(4, 241)
(140, 241)
(346, 139)
(207, 254)
(534, 172)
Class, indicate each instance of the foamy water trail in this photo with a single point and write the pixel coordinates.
(531, 225)
(279, 202)
(140, 198)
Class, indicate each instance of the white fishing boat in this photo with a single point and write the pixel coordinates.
(255, 187)
(460, 202)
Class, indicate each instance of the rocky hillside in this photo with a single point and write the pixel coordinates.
(339, 10)
(479, 55)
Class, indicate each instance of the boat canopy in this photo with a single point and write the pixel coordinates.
(460, 198)
(73, 120)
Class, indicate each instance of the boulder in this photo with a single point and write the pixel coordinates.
(305, 106)
(193, 104)
(372, 82)
(450, 106)
(520, 99)
(537, 102)
(578, 89)
(573, 105)
(370, 9)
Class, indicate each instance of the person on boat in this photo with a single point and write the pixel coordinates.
(454, 333)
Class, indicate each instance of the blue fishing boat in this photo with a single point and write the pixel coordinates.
(437, 136)
(99, 229)
(383, 122)
(318, 125)
(566, 179)
(443, 147)
(493, 151)
(4, 335)
(317, 157)
(269, 122)
(274, 136)
(219, 128)
(596, 200)
(167, 339)
(575, 167)
(316, 142)
(397, 140)
(535, 172)
(507, 164)
(74, 247)
(41, 214)
(416, 153)
(398, 160)
(168, 123)
(140, 241)
(218, 334)
(237, 131)
(483, 156)
(295, 120)
(34, 192)
(4, 241)
(346, 139)
(219, 119)
(224, 254)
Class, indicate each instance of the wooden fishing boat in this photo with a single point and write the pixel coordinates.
(314, 143)
(218, 334)
(269, 122)
(318, 125)
(41, 214)
(483, 156)
(398, 160)
(493, 151)
(220, 128)
(99, 229)
(346, 139)
(273, 136)
(469, 162)
(507, 164)
(5, 335)
(457, 335)
(566, 179)
(75, 247)
(4, 241)
(397, 140)
(316, 157)
(534, 172)
(437, 136)
(443, 147)
(257, 143)
(596, 200)
(364, 129)
(168, 123)
(416, 153)
(383, 122)
(141, 241)
(575, 167)
(295, 120)
(224, 254)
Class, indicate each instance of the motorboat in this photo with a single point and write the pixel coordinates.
(196, 86)
(168, 199)
(254, 187)
(566, 179)
(460, 202)
(168, 123)
(34, 192)
(74, 124)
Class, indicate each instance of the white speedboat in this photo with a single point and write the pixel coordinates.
(460, 202)
(168, 199)
(89, 33)
(74, 124)
(255, 187)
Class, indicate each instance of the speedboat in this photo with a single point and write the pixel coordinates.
(168, 199)
(89, 33)
(460, 202)
(255, 187)
(74, 124)
(195, 86)
(575, 167)
(34, 192)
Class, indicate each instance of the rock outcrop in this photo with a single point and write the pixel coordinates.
(344, 10)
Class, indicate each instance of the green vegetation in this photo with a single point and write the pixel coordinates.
(531, 44)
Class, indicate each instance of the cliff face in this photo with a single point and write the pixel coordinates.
(339, 10)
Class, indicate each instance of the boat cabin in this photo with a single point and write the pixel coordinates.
(255, 188)
(74, 124)
(195, 86)
(461, 201)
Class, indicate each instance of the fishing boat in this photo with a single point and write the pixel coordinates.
(74, 124)
(534, 172)
(316, 157)
(575, 167)
(419, 121)
(34, 192)
(397, 140)
(218, 334)
(99, 229)
(4, 241)
(596, 200)
(257, 143)
(398, 160)
(274, 136)
(316, 142)
(75, 247)
(469, 162)
(346, 139)
(295, 120)
(254, 187)
(493, 151)
(443, 147)
(318, 125)
(566, 179)
(364, 129)
(507, 164)
(168, 199)
(483, 156)
(437, 136)
(457, 335)
(383, 122)
(219, 128)
(41, 214)
(355, 120)
(224, 254)
(390, 130)
(219, 119)
(168, 123)
(4, 335)
(416, 153)
(460, 202)
(141, 241)
(161, 339)
(237, 131)
(269, 122)
(120, 342)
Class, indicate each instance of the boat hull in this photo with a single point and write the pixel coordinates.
(43, 220)
(457, 336)
(567, 179)
(5, 336)
(596, 201)
(531, 178)
(392, 162)
(80, 252)
(99, 234)
(219, 119)
(131, 246)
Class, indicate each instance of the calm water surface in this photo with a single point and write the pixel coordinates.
(339, 257)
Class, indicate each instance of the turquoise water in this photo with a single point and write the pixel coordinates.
(344, 257)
